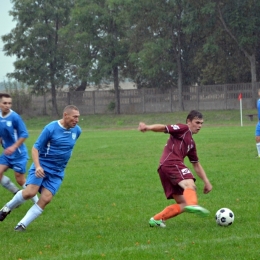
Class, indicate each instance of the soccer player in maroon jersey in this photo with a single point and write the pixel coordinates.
(176, 178)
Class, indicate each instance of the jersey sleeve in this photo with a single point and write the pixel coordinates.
(20, 127)
(176, 130)
(78, 131)
(42, 140)
(192, 155)
(258, 108)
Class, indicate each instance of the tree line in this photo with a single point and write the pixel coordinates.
(155, 43)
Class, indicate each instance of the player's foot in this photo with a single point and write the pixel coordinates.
(156, 223)
(20, 227)
(197, 210)
(4, 212)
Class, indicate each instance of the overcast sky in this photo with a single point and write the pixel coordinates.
(6, 25)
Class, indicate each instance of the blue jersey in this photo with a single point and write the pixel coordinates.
(55, 145)
(258, 108)
(12, 128)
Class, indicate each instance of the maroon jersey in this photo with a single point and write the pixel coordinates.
(179, 145)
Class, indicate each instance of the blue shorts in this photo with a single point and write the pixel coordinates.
(50, 182)
(257, 129)
(17, 164)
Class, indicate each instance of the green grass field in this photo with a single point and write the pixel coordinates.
(111, 189)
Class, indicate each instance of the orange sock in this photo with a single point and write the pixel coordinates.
(190, 197)
(169, 212)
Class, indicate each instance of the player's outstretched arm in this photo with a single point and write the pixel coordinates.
(155, 127)
(202, 174)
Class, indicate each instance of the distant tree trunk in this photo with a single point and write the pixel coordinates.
(177, 51)
(45, 106)
(82, 86)
(54, 99)
(179, 83)
(253, 77)
(117, 91)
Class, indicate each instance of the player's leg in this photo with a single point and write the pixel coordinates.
(172, 210)
(4, 180)
(170, 188)
(21, 180)
(49, 186)
(35, 211)
(191, 199)
(19, 198)
(22, 195)
(19, 167)
(8, 184)
(257, 139)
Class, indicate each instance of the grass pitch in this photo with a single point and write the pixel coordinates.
(111, 189)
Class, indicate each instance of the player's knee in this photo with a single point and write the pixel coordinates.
(188, 184)
(21, 182)
(44, 200)
(192, 186)
(29, 193)
(20, 179)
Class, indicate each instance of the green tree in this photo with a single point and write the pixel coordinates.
(99, 48)
(231, 28)
(216, 58)
(35, 41)
(162, 50)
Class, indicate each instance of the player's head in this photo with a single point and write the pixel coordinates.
(5, 103)
(4, 95)
(70, 116)
(194, 120)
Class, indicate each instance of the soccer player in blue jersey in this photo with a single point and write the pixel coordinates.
(257, 129)
(50, 153)
(13, 133)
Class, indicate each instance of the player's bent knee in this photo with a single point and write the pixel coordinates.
(29, 193)
(188, 184)
(20, 179)
(44, 200)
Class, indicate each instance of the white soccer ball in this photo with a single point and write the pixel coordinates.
(224, 217)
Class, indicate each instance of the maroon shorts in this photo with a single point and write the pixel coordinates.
(170, 177)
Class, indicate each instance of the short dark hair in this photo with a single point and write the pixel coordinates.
(4, 95)
(194, 114)
(69, 108)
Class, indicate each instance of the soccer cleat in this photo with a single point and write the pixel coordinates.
(20, 227)
(202, 212)
(156, 223)
(4, 212)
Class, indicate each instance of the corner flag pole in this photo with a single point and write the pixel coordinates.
(240, 101)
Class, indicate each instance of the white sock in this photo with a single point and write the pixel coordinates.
(34, 212)
(33, 199)
(6, 183)
(16, 200)
(258, 148)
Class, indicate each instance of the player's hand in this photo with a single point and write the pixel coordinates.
(39, 172)
(142, 127)
(207, 188)
(9, 150)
